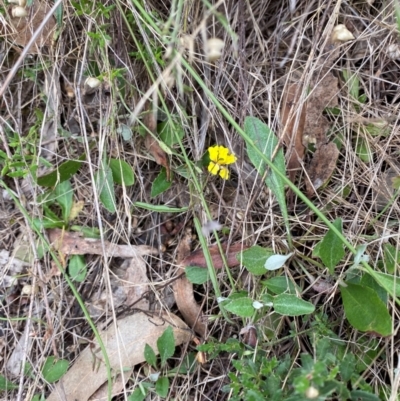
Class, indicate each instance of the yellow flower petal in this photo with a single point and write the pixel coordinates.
(213, 168)
(214, 152)
(221, 155)
(224, 173)
(230, 159)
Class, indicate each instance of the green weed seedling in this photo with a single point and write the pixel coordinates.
(117, 171)
(334, 372)
(51, 371)
(158, 381)
(62, 196)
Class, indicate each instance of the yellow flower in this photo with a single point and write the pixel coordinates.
(219, 158)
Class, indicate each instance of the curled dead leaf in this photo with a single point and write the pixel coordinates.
(72, 243)
(183, 288)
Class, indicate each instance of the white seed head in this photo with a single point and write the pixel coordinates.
(92, 82)
(214, 48)
(28, 289)
(19, 12)
(312, 393)
(393, 51)
(341, 34)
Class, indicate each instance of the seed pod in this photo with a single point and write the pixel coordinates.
(92, 82)
(312, 393)
(341, 34)
(18, 12)
(214, 48)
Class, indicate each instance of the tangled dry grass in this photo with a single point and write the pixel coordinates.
(269, 45)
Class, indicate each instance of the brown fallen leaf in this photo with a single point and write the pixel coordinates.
(125, 348)
(322, 166)
(20, 30)
(197, 258)
(323, 94)
(135, 283)
(188, 306)
(72, 243)
(151, 143)
(293, 127)
(183, 288)
(129, 283)
(101, 394)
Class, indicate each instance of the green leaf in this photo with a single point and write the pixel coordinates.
(266, 141)
(38, 397)
(316, 251)
(275, 262)
(125, 131)
(291, 305)
(122, 172)
(254, 395)
(160, 208)
(369, 281)
(353, 83)
(254, 259)
(241, 306)
(137, 395)
(363, 150)
(53, 371)
(58, 14)
(279, 285)
(105, 187)
(197, 275)
(391, 257)
(63, 173)
(46, 222)
(150, 355)
(166, 345)
(347, 367)
(331, 250)
(360, 255)
(162, 386)
(64, 196)
(160, 184)
(390, 283)
(6, 385)
(77, 268)
(364, 309)
(88, 232)
(170, 132)
(379, 128)
(357, 395)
